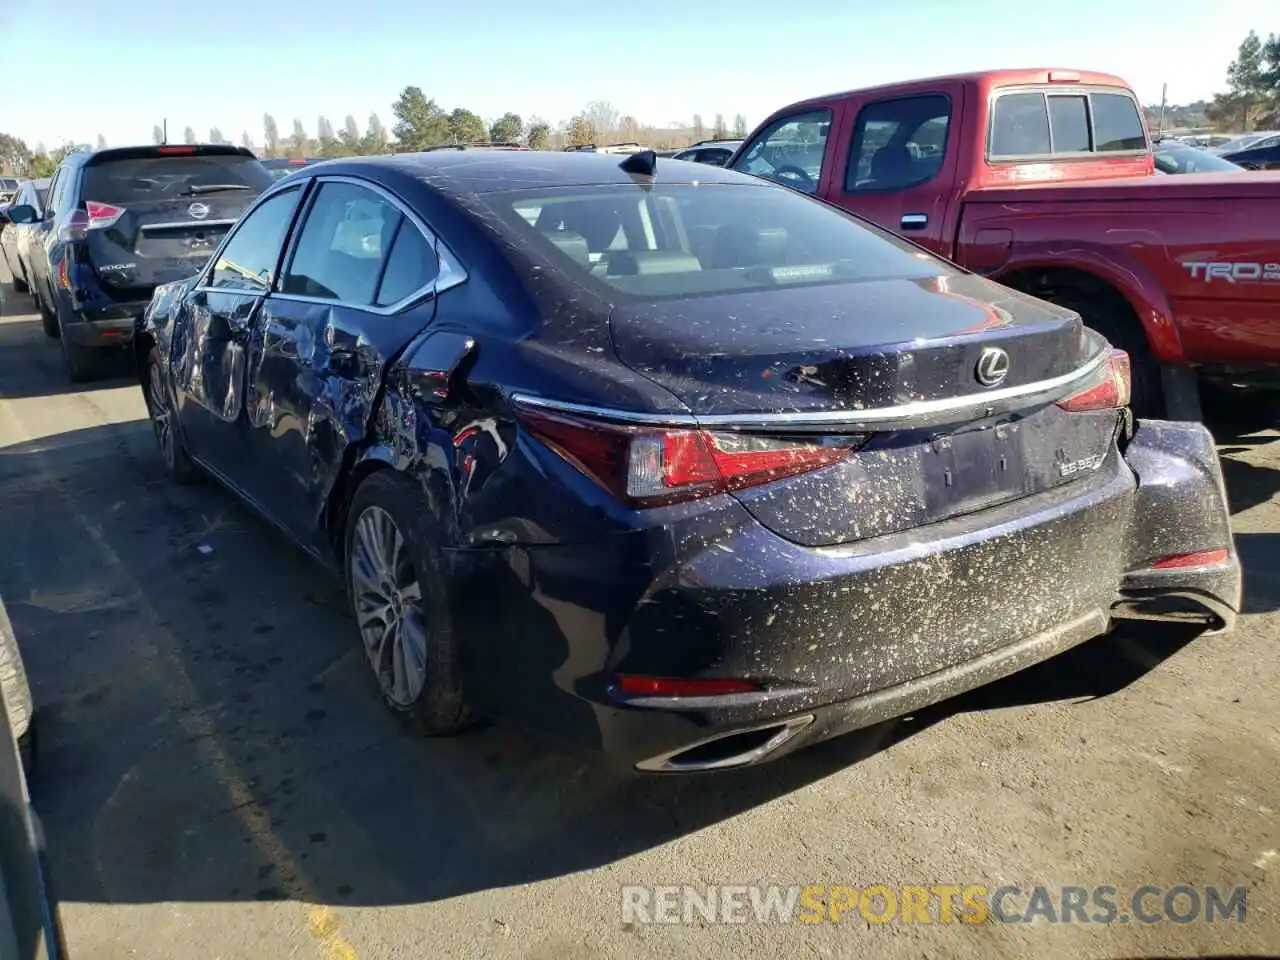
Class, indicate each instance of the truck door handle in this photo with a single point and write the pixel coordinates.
(914, 221)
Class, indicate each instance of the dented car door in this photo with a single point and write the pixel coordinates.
(210, 360)
(353, 293)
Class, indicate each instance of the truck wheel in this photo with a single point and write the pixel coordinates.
(17, 691)
(1120, 329)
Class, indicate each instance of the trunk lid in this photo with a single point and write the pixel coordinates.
(839, 356)
(161, 216)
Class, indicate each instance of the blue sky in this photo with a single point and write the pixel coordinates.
(115, 67)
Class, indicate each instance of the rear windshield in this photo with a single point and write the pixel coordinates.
(166, 178)
(683, 240)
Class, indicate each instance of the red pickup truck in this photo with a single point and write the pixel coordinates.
(1043, 180)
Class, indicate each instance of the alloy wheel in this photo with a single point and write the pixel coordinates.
(387, 598)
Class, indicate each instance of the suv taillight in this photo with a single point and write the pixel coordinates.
(1109, 391)
(94, 216)
(653, 466)
(102, 215)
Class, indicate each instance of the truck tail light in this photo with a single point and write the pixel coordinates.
(652, 466)
(1110, 391)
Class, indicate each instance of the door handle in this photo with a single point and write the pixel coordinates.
(914, 221)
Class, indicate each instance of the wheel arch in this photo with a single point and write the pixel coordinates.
(1137, 295)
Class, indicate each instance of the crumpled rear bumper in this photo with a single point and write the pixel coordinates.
(1181, 511)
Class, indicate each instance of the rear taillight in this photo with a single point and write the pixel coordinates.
(102, 215)
(1109, 391)
(94, 216)
(180, 151)
(647, 466)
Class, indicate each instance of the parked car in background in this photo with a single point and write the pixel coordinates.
(1263, 155)
(30, 917)
(1176, 157)
(281, 167)
(16, 239)
(746, 471)
(1245, 141)
(1041, 179)
(121, 221)
(8, 188)
(714, 152)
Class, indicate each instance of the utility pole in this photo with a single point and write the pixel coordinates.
(164, 134)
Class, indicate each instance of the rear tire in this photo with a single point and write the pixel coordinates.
(17, 692)
(47, 320)
(1120, 327)
(401, 604)
(20, 285)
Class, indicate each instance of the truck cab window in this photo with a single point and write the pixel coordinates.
(898, 144)
(790, 150)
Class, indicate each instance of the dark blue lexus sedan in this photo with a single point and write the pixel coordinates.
(666, 460)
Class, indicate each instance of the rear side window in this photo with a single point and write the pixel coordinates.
(790, 150)
(248, 261)
(343, 245)
(1043, 124)
(130, 181)
(411, 265)
(898, 144)
(1115, 118)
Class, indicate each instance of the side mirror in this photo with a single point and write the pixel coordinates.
(23, 213)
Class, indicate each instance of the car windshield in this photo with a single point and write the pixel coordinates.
(682, 240)
(1180, 158)
(167, 178)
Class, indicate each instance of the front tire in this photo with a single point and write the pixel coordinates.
(400, 599)
(173, 452)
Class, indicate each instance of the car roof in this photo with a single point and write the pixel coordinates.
(486, 171)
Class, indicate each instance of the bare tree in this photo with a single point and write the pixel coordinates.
(189, 135)
(246, 141)
(581, 131)
(699, 130)
(215, 135)
(740, 126)
(157, 134)
(603, 118)
(720, 131)
(102, 142)
(270, 136)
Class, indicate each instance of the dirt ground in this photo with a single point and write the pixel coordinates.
(218, 778)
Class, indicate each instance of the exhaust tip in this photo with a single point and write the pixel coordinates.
(737, 748)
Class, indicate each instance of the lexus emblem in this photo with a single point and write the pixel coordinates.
(993, 367)
(198, 211)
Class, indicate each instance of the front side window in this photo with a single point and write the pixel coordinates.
(790, 150)
(684, 240)
(248, 261)
(343, 245)
(898, 144)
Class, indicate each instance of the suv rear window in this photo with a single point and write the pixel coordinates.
(684, 240)
(1039, 123)
(134, 180)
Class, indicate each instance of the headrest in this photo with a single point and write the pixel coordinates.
(572, 245)
(648, 262)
